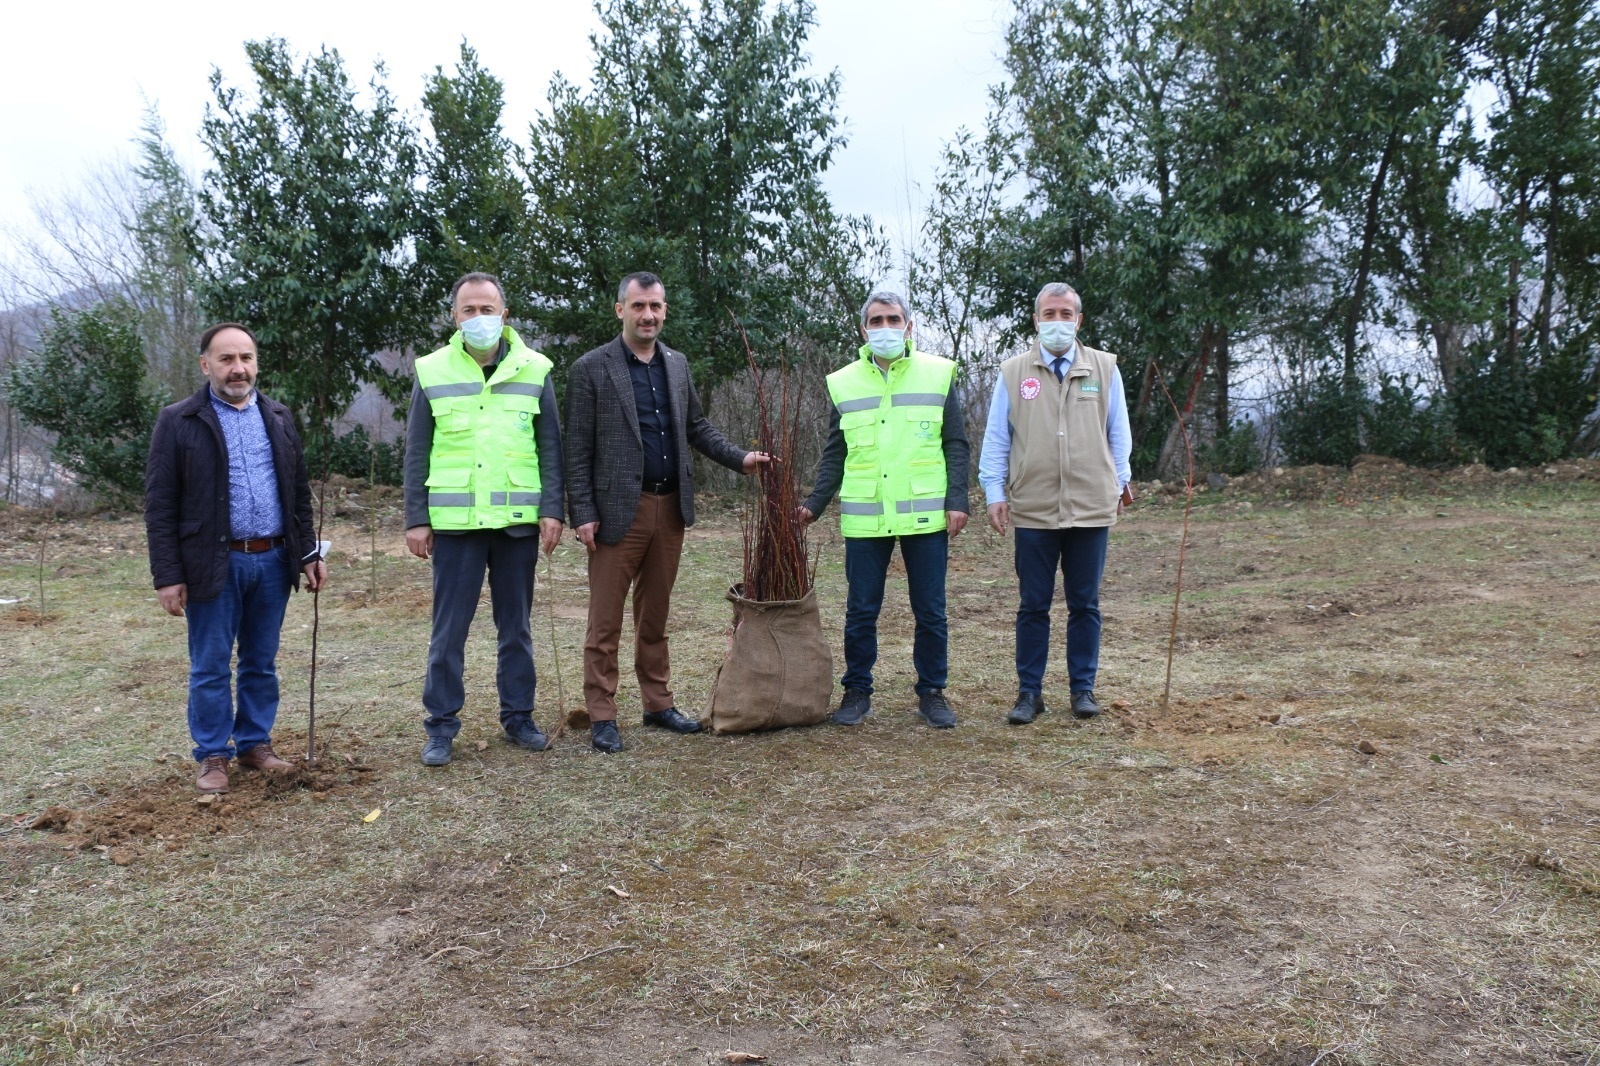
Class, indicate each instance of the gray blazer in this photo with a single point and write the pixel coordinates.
(605, 455)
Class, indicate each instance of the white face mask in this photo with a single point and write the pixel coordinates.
(482, 331)
(1056, 336)
(887, 343)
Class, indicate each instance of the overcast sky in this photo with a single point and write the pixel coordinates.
(74, 81)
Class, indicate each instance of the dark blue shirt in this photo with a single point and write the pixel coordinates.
(253, 508)
(654, 405)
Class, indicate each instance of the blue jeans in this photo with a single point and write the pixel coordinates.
(249, 611)
(866, 564)
(1080, 553)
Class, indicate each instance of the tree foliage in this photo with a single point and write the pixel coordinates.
(311, 205)
(86, 383)
(697, 155)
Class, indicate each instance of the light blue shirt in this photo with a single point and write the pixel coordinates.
(253, 507)
(995, 461)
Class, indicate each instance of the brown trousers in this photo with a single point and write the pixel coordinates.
(646, 560)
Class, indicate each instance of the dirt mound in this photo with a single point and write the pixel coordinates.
(167, 814)
(1369, 477)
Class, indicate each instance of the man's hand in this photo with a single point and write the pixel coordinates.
(804, 514)
(955, 522)
(1126, 499)
(755, 459)
(174, 598)
(586, 533)
(419, 541)
(316, 573)
(999, 517)
(549, 534)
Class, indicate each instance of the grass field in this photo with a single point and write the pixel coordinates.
(1223, 879)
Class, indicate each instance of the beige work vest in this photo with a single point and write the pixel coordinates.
(1060, 472)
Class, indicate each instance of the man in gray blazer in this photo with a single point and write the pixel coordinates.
(632, 416)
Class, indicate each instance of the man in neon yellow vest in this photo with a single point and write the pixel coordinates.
(483, 492)
(897, 456)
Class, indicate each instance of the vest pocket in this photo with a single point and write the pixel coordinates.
(449, 487)
(860, 428)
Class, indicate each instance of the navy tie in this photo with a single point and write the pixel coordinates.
(1060, 373)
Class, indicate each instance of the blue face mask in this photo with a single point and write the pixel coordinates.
(482, 332)
(887, 343)
(1057, 337)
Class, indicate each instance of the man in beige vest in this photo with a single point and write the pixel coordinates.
(1055, 468)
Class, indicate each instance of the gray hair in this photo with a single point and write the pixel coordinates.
(644, 279)
(1057, 288)
(476, 276)
(890, 298)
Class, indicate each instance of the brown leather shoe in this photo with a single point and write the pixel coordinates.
(263, 758)
(213, 775)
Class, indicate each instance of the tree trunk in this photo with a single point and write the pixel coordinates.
(1369, 237)
(1224, 364)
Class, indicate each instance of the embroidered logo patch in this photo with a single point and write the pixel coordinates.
(1029, 389)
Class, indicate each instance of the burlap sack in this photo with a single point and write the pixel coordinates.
(778, 671)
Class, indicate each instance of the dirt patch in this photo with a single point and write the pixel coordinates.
(131, 822)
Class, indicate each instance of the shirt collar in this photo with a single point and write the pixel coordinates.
(218, 401)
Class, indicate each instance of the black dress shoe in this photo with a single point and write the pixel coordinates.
(935, 710)
(604, 737)
(1029, 706)
(856, 705)
(1083, 705)
(671, 719)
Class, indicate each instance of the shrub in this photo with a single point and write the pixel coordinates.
(87, 384)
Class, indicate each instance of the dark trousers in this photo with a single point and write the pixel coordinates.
(866, 564)
(1080, 554)
(459, 562)
(646, 561)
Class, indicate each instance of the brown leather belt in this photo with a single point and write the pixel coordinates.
(260, 544)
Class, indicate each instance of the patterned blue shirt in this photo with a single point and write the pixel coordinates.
(253, 508)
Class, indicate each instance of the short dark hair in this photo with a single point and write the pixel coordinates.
(645, 279)
(476, 275)
(211, 334)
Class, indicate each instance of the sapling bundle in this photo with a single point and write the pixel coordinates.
(778, 670)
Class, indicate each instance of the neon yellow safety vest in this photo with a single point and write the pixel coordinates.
(483, 469)
(894, 477)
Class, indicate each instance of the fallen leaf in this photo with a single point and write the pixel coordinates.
(742, 1056)
(373, 815)
(77, 988)
(120, 856)
(1119, 705)
(615, 891)
(1435, 758)
(482, 745)
(1367, 747)
(1271, 719)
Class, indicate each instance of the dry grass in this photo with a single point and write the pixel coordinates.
(1226, 879)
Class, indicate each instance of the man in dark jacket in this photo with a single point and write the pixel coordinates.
(228, 512)
(632, 416)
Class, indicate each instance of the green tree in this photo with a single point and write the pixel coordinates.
(697, 154)
(86, 383)
(476, 203)
(312, 206)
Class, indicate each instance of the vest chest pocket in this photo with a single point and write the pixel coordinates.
(924, 424)
(860, 428)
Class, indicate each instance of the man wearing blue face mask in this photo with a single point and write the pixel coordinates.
(483, 492)
(897, 456)
(1055, 467)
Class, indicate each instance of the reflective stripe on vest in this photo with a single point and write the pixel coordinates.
(483, 467)
(894, 479)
